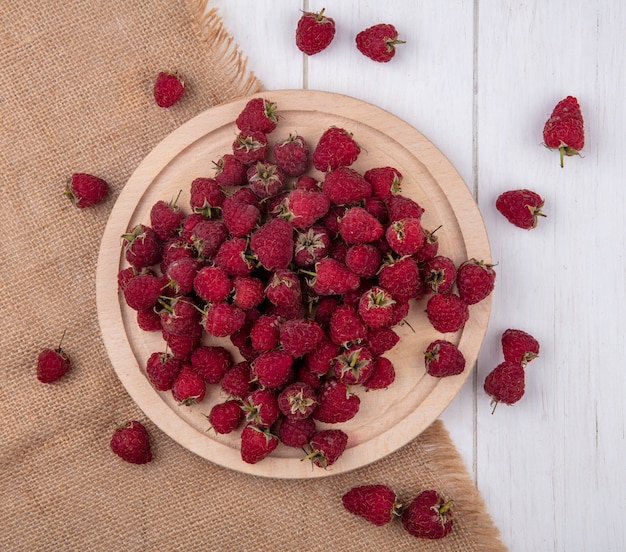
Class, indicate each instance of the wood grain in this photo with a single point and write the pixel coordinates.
(388, 418)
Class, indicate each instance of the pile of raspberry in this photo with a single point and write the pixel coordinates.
(306, 278)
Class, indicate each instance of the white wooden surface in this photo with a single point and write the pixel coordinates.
(479, 79)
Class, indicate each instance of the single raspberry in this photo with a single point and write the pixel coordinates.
(273, 244)
(378, 504)
(475, 280)
(358, 226)
(250, 147)
(307, 182)
(52, 364)
(207, 236)
(565, 129)
(346, 326)
(401, 277)
(353, 365)
(168, 88)
(304, 374)
(229, 171)
(261, 407)
(430, 248)
(248, 292)
(292, 155)
(181, 274)
(239, 218)
(142, 247)
(131, 443)
(382, 376)
(236, 382)
(162, 369)
(296, 432)
(378, 42)
(272, 369)
(439, 274)
(311, 245)
(344, 185)
(181, 316)
(519, 346)
(326, 446)
(142, 291)
(428, 516)
(212, 284)
(188, 225)
(149, 320)
(443, 358)
(225, 417)
(234, 258)
(211, 362)
(181, 346)
(266, 179)
(447, 312)
(206, 196)
(265, 333)
(375, 307)
(385, 181)
(258, 114)
(332, 278)
(505, 383)
(363, 259)
(405, 236)
(381, 340)
(297, 401)
(314, 32)
(319, 360)
(86, 190)
(335, 148)
(166, 218)
(189, 387)
(521, 207)
(336, 404)
(256, 444)
(402, 207)
(302, 208)
(223, 319)
(284, 289)
(300, 336)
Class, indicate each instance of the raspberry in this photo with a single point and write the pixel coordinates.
(447, 312)
(402, 207)
(250, 147)
(314, 32)
(181, 274)
(272, 369)
(142, 291)
(475, 280)
(326, 446)
(149, 320)
(52, 364)
(258, 114)
(273, 244)
(225, 417)
(168, 88)
(378, 42)
(376, 503)
(311, 245)
(207, 237)
(162, 369)
(443, 358)
(381, 340)
(346, 326)
(248, 292)
(188, 388)
(405, 236)
(142, 248)
(283, 289)
(86, 190)
(344, 185)
(319, 359)
(180, 316)
(223, 319)
(166, 218)
(439, 274)
(229, 171)
(565, 129)
(261, 407)
(211, 362)
(382, 376)
(292, 155)
(233, 257)
(335, 148)
(300, 336)
(385, 181)
(519, 346)
(363, 259)
(376, 307)
(401, 277)
(236, 382)
(296, 432)
(302, 208)
(358, 226)
(131, 443)
(505, 383)
(297, 401)
(336, 403)
(265, 179)
(354, 365)
(256, 444)
(428, 516)
(206, 196)
(333, 278)
(212, 284)
(521, 207)
(239, 218)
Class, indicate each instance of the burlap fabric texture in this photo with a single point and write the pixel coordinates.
(75, 96)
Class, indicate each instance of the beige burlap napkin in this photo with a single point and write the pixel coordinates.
(75, 96)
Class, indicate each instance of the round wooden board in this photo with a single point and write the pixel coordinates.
(388, 418)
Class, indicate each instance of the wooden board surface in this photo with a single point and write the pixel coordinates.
(387, 418)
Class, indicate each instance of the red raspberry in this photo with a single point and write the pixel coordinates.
(284, 289)
(346, 326)
(162, 369)
(166, 218)
(265, 333)
(430, 247)
(229, 171)
(447, 312)
(376, 503)
(358, 226)
(86, 190)
(207, 236)
(385, 181)
(320, 359)
(142, 247)
(142, 291)
(405, 236)
(300, 336)
(212, 284)
(292, 155)
(382, 376)
(565, 129)
(225, 417)
(272, 369)
(381, 340)
(505, 383)
(327, 446)
(335, 148)
(296, 432)
(258, 114)
(428, 516)
(402, 207)
(314, 32)
(261, 407)
(378, 42)
(181, 274)
(236, 382)
(256, 444)
(439, 274)
(521, 207)
(206, 196)
(297, 401)
(273, 244)
(223, 319)
(354, 365)
(181, 346)
(250, 147)
(248, 292)
(333, 278)
(401, 277)
(149, 320)
(376, 307)
(265, 179)
(233, 257)
(188, 388)
(443, 358)
(475, 280)
(519, 346)
(180, 316)
(311, 245)
(52, 364)
(336, 404)
(344, 185)
(239, 218)
(363, 259)
(302, 208)
(131, 443)
(168, 88)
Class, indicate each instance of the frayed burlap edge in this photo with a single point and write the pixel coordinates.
(211, 31)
